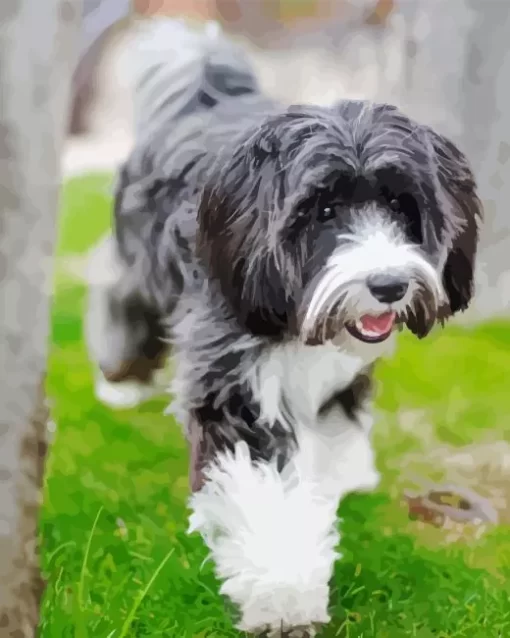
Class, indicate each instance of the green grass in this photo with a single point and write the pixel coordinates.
(115, 550)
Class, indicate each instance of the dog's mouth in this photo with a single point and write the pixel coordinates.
(372, 328)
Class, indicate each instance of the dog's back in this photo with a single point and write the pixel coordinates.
(180, 71)
(193, 92)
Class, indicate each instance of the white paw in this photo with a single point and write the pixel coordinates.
(125, 394)
(301, 632)
(288, 632)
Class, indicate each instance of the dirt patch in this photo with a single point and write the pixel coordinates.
(464, 491)
(481, 468)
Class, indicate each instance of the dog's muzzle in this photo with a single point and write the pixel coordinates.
(362, 321)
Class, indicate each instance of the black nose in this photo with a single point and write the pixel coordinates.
(387, 288)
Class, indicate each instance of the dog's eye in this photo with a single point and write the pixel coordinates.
(395, 205)
(325, 214)
(298, 224)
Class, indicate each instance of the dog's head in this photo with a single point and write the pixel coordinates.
(344, 220)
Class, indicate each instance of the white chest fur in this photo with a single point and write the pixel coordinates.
(333, 449)
(306, 375)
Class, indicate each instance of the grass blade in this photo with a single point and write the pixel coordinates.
(81, 584)
(141, 596)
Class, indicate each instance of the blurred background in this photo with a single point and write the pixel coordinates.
(443, 61)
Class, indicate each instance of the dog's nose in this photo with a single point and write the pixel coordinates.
(387, 288)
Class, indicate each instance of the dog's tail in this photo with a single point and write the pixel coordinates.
(180, 70)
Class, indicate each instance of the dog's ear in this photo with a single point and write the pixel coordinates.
(463, 215)
(264, 306)
(235, 252)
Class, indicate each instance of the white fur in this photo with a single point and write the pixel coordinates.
(124, 395)
(104, 272)
(273, 535)
(104, 267)
(374, 245)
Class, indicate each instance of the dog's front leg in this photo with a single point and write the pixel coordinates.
(272, 536)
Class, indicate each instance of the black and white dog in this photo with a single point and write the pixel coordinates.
(276, 250)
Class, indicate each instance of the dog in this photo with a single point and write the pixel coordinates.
(275, 251)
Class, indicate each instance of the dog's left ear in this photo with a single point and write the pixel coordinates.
(464, 213)
(248, 273)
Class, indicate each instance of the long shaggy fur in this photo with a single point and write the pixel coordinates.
(253, 236)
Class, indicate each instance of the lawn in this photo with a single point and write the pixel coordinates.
(115, 550)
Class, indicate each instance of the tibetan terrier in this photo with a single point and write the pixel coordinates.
(275, 251)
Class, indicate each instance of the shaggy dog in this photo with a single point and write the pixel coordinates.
(276, 250)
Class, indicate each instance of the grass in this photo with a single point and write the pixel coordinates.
(115, 550)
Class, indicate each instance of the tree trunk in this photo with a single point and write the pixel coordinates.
(459, 82)
(36, 62)
(485, 99)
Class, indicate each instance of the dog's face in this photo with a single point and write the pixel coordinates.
(342, 221)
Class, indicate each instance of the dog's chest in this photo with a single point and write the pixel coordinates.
(304, 378)
(307, 385)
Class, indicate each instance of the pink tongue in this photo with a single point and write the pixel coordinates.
(380, 325)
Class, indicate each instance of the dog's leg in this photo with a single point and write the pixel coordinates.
(124, 335)
(272, 532)
(272, 537)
